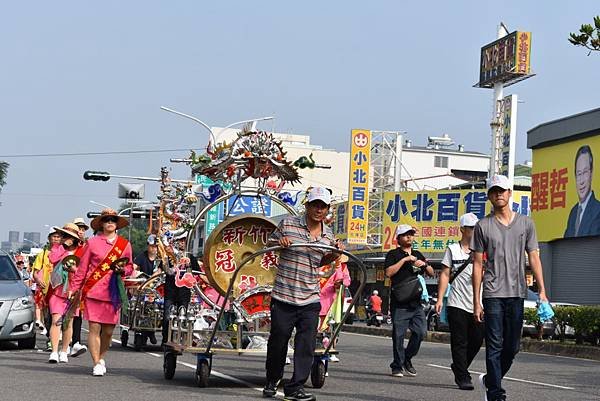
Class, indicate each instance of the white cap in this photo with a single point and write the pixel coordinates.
(468, 220)
(403, 229)
(319, 193)
(498, 180)
(52, 230)
(375, 292)
(151, 240)
(181, 236)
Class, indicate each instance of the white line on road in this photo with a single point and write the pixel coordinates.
(511, 378)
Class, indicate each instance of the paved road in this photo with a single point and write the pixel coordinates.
(362, 374)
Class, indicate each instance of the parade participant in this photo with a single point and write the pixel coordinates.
(99, 281)
(332, 295)
(402, 266)
(60, 284)
(42, 268)
(174, 295)
(466, 334)
(295, 301)
(505, 236)
(76, 347)
(148, 263)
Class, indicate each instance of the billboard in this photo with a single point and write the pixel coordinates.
(563, 181)
(358, 189)
(505, 60)
(339, 222)
(509, 133)
(435, 214)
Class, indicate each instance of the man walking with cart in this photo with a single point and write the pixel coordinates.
(295, 301)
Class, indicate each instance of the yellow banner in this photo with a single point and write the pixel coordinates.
(435, 215)
(523, 53)
(358, 190)
(562, 179)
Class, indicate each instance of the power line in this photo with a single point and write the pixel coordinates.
(121, 152)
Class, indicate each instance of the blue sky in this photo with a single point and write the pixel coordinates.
(83, 76)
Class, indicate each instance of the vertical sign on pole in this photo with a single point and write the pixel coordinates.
(358, 189)
(509, 133)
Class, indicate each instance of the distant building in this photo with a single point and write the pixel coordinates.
(33, 237)
(13, 236)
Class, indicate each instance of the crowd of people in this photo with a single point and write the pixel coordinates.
(78, 278)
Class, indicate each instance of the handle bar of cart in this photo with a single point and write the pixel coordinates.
(302, 245)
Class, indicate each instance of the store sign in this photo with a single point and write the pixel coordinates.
(509, 134)
(563, 184)
(506, 59)
(213, 217)
(435, 215)
(358, 189)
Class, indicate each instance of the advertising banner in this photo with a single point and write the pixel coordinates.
(339, 222)
(505, 60)
(563, 184)
(358, 189)
(509, 133)
(435, 215)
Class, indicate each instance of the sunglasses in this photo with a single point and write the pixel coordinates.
(110, 220)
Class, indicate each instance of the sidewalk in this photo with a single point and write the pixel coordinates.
(527, 345)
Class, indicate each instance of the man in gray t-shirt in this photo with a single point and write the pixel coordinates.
(504, 237)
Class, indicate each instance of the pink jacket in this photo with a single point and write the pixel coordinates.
(95, 252)
(328, 292)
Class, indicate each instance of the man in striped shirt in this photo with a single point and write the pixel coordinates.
(295, 301)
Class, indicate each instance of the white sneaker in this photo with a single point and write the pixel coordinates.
(103, 363)
(53, 357)
(78, 349)
(483, 387)
(98, 370)
(288, 360)
(334, 358)
(39, 324)
(44, 331)
(62, 357)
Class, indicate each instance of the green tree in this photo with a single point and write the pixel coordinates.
(3, 173)
(588, 36)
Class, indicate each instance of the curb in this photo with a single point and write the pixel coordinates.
(527, 345)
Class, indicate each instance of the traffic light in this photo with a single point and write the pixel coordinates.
(96, 175)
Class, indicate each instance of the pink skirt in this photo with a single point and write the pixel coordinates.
(100, 312)
(58, 304)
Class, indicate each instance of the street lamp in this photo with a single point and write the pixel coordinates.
(32, 242)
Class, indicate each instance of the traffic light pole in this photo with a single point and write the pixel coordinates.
(105, 176)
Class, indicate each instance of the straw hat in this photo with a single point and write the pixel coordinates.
(69, 229)
(80, 222)
(96, 223)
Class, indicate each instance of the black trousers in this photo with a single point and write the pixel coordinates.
(284, 317)
(466, 337)
(76, 330)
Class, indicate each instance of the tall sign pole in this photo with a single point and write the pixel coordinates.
(504, 62)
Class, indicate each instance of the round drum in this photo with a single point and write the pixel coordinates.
(230, 243)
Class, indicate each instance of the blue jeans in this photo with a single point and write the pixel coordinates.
(402, 319)
(503, 324)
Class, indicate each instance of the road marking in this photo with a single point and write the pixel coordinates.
(511, 378)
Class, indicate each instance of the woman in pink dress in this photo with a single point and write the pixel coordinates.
(99, 279)
(60, 281)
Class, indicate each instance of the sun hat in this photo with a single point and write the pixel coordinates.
(96, 223)
(69, 229)
(79, 221)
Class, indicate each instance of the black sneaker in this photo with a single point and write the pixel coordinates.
(464, 384)
(152, 338)
(270, 388)
(397, 373)
(299, 395)
(409, 370)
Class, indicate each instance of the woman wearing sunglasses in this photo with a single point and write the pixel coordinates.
(106, 260)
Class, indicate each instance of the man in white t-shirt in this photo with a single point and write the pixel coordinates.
(466, 334)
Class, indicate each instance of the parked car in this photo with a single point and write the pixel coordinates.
(347, 302)
(17, 307)
(550, 329)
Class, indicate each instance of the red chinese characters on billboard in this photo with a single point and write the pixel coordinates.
(549, 189)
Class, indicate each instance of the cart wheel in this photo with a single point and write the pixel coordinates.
(317, 376)
(202, 373)
(124, 338)
(169, 365)
(138, 341)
